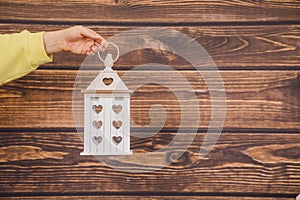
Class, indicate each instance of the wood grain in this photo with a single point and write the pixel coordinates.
(228, 168)
(254, 99)
(231, 47)
(256, 157)
(149, 11)
(152, 197)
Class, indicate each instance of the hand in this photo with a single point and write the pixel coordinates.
(77, 40)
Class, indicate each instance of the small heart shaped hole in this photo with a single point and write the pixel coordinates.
(97, 124)
(117, 139)
(107, 81)
(97, 139)
(117, 108)
(97, 108)
(117, 124)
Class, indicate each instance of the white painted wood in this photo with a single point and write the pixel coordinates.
(107, 95)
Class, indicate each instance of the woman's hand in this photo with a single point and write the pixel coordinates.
(77, 40)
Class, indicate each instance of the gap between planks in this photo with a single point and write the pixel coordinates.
(149, 24)
(151, 195)
(164, 130)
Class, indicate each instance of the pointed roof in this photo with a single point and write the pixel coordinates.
(107, 81)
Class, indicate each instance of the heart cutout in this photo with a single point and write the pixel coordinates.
(97, 124)
(117, 108)
(97, 108)
(97, 139)
(107, 81)
(117, 124)
(117, 139)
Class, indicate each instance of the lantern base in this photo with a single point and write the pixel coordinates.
(105, 154)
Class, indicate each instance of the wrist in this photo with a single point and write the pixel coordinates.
(53, 42)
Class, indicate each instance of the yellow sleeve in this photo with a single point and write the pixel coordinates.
(21, 53)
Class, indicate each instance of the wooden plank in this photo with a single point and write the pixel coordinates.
(150, 11)
(231, 47)
(45, 162)
(152, 197)
(255, 99)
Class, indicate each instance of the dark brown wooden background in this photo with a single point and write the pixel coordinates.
(255, 44)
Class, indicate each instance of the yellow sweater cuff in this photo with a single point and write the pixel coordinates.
(36, 50)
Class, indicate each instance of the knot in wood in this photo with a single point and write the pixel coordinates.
(178, 158)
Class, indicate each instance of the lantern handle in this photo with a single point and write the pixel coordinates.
(118, 51)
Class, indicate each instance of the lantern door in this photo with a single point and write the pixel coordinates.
(107, 125)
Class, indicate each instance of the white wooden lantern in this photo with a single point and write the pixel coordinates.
(107, 114)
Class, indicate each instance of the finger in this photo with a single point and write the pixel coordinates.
(94, 49)
(100, 41)
(103, 46)
(90, 53)
(86, 47)
(101, 49)
(86, 32)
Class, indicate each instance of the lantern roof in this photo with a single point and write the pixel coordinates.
(107, 81)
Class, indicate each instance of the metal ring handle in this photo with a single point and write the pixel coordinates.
(118, 51)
